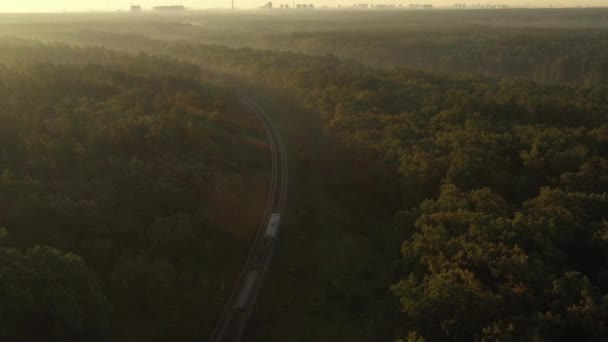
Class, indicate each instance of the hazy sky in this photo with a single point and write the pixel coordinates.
(80, 5)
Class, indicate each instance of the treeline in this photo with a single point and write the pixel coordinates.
(551, 56)
(550, 46)
(119, 179)
(503, 187)
(543, 55)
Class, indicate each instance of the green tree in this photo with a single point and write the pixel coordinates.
(48, 295)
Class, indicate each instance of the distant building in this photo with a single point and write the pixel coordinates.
(136, 8)
(174, 8)
(419, 6)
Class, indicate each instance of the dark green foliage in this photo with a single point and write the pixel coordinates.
(48, 295)
(134, 165)
(481, 268)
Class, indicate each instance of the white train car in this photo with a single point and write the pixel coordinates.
(273, 225)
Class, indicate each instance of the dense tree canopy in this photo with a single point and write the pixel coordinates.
(482, 268)
(503, 189)
(135, 166)
(423, 206)
(48, 295)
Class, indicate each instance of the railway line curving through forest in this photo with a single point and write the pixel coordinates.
(238, 309)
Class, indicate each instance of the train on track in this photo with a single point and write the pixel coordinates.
(259, 261)
(238, 310)
(273, 226)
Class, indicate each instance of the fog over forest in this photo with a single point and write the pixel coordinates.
(369, 175)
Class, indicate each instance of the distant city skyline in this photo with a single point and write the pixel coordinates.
(101, 5)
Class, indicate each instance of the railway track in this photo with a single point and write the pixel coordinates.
(239, 307)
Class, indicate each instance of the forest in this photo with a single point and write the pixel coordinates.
(545, 45)
(449, 181)
(117, 185)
